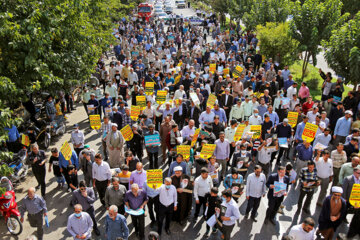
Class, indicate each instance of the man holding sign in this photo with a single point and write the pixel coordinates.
(152, 149)
(222, 152)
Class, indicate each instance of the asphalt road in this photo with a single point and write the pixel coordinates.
(59, 209)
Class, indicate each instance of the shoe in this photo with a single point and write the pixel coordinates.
(58, 186)
(195, 219)
(272, 221)
(37, 187)
(345, 221)
(214, 231)
(246, 216)
(152, 224)
(222, 236)
(307, 211)
(97, 232)
(183, 222)
(61, 185)
(266, 221)
(207, 233)
(167, 231)
(280, 211)
(254, 219)
(282, 206)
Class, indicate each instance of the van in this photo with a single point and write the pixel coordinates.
(180, 4)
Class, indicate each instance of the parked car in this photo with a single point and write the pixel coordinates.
(163, 16)
(180, 4)
(168, 9)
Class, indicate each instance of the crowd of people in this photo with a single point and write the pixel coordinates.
(216, 81)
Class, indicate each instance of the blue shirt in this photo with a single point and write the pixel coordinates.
(273, 117)
(221, 114)
(299, 131)
(150, 191)
(288, 83)
(229, 180)
(304, 153)
(342, 127)
(13, 134)
(64, 163)
(262, 110)
(116, 228)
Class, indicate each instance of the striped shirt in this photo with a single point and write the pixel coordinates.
(307, 176)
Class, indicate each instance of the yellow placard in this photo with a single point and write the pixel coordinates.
(141, 102)
(95, 121)
(239, 132)
(154, 178)
(184, 150)
(212, 67)
(292, 117)
(195, 137)
(127, 133)
(161, 96)
(149, 89)
(256, 129)
(226, 71)
(25, 140)
(207, 150)
(180, 63)
(177, 79)
(211, 101)
(355, 196)
(309, 132)
(66, 151)
(237, 71)
(135, 112)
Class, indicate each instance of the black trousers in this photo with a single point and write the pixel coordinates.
(91, 212)
(153, 160)
(104, 147)
(309, 196)
(202, 202)
(274, 204)
(253, 204)
(40, 173)
(139, 224)
(165, 212)
(226, 230)
(101, 187)
(232, 150)
(354, 225)
(78, 150)
(153, 206)
(36, 220)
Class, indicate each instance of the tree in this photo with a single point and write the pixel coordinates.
(342, 50)
(276, 42)
(263, 11)
(313, 22)
(351, 6)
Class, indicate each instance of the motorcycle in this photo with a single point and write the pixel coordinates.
(54, 128)
(9, 209)
(19, 166)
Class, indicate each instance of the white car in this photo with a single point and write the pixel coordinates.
(168, 10)
(163, 16)
(180, 3)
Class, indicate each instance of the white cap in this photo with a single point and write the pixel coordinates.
(178, 168)
(114, 125)
(348, 112)
(336, 189)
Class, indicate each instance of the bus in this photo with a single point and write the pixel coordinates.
(145, 11)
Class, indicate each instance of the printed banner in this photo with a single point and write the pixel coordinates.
(127, 133)
(279, 189)
(237, 71)
(355, 196)
(285, 103)
(161, 96)
(141, 102)
(137, 212)
(183, 150)
(195, 137)
(283, 142)
(226, 71)
(212, 67)
(95, 121)
(149, 88)
(154, 178)
(337, 99)
(207, 150)
(239, 132)
(177, 79)
(256, 129)
(25, 140)
(66, 151)
(211, 101)
(292, 117)
(309, 132)
(152, 140)
(135, 112)
(195, 98)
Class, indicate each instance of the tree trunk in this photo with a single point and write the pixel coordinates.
(305, 63)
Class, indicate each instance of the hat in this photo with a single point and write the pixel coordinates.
(348, 112)
(76, 125)
(286, 120)
(227, 89)
(92, 94)
(151, 126)
(178, 168)
(87, 146)
(322, 125)
(204, 170)
(167, 103)
(114, 125)
(337, 189)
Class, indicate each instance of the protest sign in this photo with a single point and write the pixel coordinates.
(207, 150)
(195, 98)
(66, 150)
(226, 71)
(256, 129)
(154, 178)
(236, 189)
(95, 121)
(283, 142)
(237, 71)
(127, 133)
(285, 103)
(184, 150)
(149, 88)
(195, 137)
(211, 101)
(292, 117)
(137, 212)
(309, 132)
(177, 79)
(355, 195)
(337, 99)
(25, 140)
(161, 96)
(320, 147)
(141, 101)
(152, 140)
(279, 189)
(220, 69)
(239, 132)
(212, 67)
(135, 112)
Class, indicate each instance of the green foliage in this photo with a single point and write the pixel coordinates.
(120, 9)
(275, 40)
(263, 11)
(313, 22)
(342, 50)
(351, 6)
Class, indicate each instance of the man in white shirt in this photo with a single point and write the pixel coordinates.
(312, 114)
(77, 139)
(188, 131)
(304, 231)
(255, 189)
(291, 90)
(101, 176)
(202, 186)
(325, 173)
(167, 204)
(180, 93)
(231, 215)
(255, 119)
